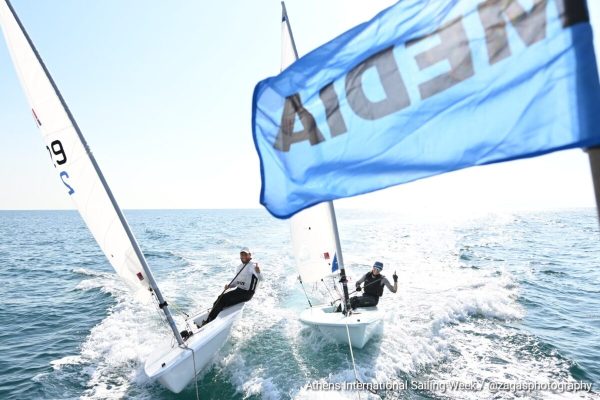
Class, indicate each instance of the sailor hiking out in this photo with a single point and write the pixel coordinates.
(374, 283)
(245, 281)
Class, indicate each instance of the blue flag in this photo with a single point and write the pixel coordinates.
(426, 87)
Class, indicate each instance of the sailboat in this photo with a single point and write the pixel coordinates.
(318, 253)
(174, 365)
(314, 241)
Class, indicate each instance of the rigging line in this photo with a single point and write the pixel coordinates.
(195, 372)
(337, 290)
(302, 284)
(179, 310)
(199, 312)
(352, 354)
(176, 307)
(230, 282)
(368, 284)
(328, 291)
(157, 309)
(163, 318)
(188, 326)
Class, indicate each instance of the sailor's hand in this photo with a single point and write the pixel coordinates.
(256, 268)
(358, 288)
(395, 278)
(226, 286)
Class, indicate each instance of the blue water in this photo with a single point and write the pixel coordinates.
(498, 297)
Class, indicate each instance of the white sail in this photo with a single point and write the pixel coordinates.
(313, 243)
(318, 252)
(75, 167)
(313, 239)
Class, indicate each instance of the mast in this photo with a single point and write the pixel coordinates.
(340, 258)
(331, 209)
(284, 17)
(152, 283)
(594, 157)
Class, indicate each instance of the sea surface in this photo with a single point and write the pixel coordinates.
(488, 298)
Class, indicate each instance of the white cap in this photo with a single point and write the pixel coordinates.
(245, 250)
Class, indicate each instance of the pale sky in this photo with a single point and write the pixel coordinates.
(162, 92)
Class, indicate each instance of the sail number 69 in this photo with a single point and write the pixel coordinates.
(56, 149)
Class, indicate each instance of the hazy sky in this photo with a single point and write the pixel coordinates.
(162, 92)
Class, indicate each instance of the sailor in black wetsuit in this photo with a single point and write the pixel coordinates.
(248, 275)
(374, 282)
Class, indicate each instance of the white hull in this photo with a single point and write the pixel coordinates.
(173, 366)
(363, 324)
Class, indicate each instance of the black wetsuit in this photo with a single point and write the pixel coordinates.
(246, 285)
(373, 290)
